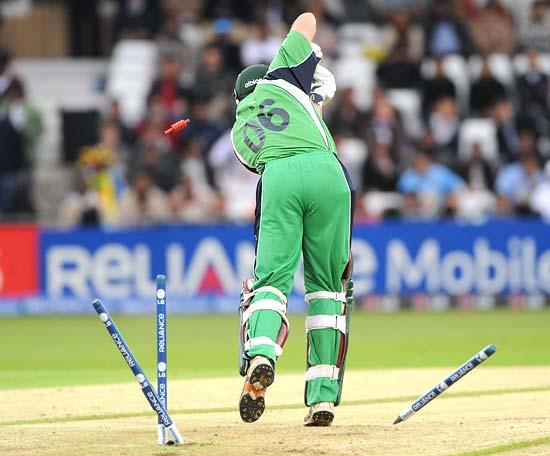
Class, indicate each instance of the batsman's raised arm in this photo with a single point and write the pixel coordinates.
(322, 83)
(297, 57)
(306, 24)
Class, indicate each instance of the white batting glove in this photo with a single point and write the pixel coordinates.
(317, 50)
(323, 86)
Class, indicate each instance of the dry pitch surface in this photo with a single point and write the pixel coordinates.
(494, 410)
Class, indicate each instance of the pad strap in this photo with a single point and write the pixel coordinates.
(326, 295)
(322, 371)
(263, 340)
(265, 304)
(326, 321)
(266, 289)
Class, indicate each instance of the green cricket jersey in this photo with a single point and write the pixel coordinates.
(278, 119)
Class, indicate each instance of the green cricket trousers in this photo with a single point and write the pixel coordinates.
(304, 206)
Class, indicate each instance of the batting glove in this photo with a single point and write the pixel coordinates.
(323, 86)
(317, 50)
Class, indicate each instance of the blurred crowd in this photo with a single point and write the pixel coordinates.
(20, 129)
(442, 110)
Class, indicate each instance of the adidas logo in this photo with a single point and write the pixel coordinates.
(252, 82)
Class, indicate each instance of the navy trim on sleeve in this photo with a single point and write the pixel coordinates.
(300, 75)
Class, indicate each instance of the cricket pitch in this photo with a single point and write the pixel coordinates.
(494, 410)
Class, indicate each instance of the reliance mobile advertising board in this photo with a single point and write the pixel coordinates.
(205, 265)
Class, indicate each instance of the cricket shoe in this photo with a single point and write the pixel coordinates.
(259, 376)
(320, 414)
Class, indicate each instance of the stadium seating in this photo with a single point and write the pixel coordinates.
(482, 132)
(131, 73)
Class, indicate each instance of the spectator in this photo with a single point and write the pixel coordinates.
(493, 29)
(443, 123)
(527, 143)
(507, 133)
(26, 122)
(425, 177)
(357, 11)
(202, 128)
(139, 19)
(379, 170)
(160, 163)
(12, 161)
(445, 33)
(437, 87)
(104, 177)
(486, 91)
(196, 167)
(346, 119)
(143, 203)
(476, 200)
(114, 115)
(540, 197)
(477, 172)
(193, 205)
(173, 97)
(6, 75)
(243, 9)
(387, 6)
(533, 88)
(228, 48)
(260, 48)
(536, 33)
(196, 185)
(352, 153)
(179, 39)
(401, 32)
(24, 116)
(110, 140)
(468, 9)
(236, 183)
(516, 181)
(103, 167)
(398, 70)
(384, 126)
(151, 139)
(169, 40)
(81, 207)
(213, 82)
(428, 186)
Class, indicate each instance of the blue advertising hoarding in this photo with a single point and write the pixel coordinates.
(205, 265)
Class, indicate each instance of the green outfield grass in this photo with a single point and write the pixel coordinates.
(56, 351)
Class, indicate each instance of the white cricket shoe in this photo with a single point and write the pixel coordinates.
(320, 414)
(259, 376)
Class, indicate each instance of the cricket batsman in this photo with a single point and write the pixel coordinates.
(304, 207)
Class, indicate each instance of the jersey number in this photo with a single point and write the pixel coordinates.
(274, 119)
